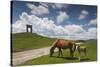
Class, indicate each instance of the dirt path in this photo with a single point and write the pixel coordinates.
(21, 57)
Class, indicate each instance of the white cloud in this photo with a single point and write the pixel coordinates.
(61, 17)
(38, 9)
(92, 30)
(93, 21)
(85, 35)
(18, 27)
(91, 33)
(72, 29)
(46, 27)
(83, 15)
(84, 12)
(54, 5)
(44, 4)
(58, 5)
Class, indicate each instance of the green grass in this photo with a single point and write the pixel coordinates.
(91, 56)
(27, 41)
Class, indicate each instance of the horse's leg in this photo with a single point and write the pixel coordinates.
(79, 52)
(71, 53)
(61, 52)
(85, 52)
(79, 58)
(58, 52)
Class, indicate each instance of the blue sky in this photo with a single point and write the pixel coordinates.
(69, 20)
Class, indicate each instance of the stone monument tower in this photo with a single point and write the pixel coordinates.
(29, 28)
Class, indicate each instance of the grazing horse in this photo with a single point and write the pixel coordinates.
(81, 49)
(63, 44)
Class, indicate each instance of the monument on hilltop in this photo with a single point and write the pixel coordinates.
(29, 28)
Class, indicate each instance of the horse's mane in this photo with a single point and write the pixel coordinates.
(55, 42)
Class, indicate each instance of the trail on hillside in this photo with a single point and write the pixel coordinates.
(21, 57)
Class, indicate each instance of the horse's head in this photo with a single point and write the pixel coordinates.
(51, 51)
(78, 45)
(53, 47)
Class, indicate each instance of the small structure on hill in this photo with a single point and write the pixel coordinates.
(29, 28)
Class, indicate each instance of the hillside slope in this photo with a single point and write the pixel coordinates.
(27, 41)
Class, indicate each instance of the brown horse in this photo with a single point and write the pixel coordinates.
(63, 44)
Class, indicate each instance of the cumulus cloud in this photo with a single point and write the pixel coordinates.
(61, 17)
(93, 21)
(72, 29)
(54, 5)
(83, 15)
(48, 28)
(44, 4)
(91, 33)
(59, 6)
(40, 25)
(38, 9)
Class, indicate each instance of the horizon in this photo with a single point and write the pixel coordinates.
(50, 37)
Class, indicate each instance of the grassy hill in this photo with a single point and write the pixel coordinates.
(91, 56)
(27, 41)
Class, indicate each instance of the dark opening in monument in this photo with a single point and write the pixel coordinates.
(29, 28)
